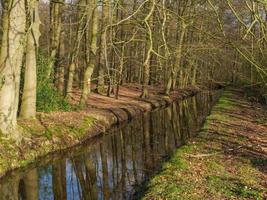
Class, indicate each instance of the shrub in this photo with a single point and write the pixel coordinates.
(48, 97)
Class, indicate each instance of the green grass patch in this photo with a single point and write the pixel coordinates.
(219, 186)
(79, 131)
(229, 187)
(224, 103)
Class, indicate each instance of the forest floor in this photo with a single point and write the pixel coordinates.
(55, 131)
(227, 160)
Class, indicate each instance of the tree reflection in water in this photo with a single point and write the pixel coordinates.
(117, 163)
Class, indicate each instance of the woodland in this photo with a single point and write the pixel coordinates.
(52, 49)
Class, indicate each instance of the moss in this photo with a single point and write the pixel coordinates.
(224, 103)
(87, 122)
(232, 187)
(58, 130)
(32, 128)
(219, 186)
(48, 134)
(248, 174)
(248, 192)
(178, 162)
(167, 186)
(206, 125)
(80, 130)
(214, 165)
(259, 161)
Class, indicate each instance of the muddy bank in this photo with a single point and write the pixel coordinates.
(227, 160)
(52, 132)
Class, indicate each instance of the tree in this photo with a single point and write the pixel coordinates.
(55, 30)
(149, 52)
(28, 104)
(91, 53)
(77, 42)
(101, 56)
(12, 48)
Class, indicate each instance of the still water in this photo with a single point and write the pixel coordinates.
(115, 165)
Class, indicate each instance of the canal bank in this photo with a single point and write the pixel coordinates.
(117, 162)
(227, 160)
(57, 131)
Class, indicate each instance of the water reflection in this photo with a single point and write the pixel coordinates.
(117, 163)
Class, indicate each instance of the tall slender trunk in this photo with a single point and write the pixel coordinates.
(113, 13)
(72, 67)
(12, 48)
(194, 76)
(149, 51)
(120, 68)
(55, 29)
(28, 104)
(61, 68)
(91, 60)
(120, 71)
(75, 51)
(101, 61)
(179, 52)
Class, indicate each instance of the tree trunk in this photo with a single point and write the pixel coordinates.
(28, 104)
(75, 51)
(61, 68)
(55, 29)
(194, 76)
(92, 54)
(101, 61)
(12, 48)
(149, 52)
(178, 55)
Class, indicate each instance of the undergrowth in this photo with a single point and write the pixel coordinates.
(48, 97)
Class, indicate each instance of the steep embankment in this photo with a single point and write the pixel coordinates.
(228, 159)
(56, 131)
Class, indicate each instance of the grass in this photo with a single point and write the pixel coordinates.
(220, 162)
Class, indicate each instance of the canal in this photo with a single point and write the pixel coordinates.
(116, 164)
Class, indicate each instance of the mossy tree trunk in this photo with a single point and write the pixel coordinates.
(12, 48)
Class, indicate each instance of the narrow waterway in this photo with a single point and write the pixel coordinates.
(115, 165)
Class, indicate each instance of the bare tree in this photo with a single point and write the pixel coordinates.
(12, 48)
(28, 104)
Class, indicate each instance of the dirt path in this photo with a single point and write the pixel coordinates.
(228, 159)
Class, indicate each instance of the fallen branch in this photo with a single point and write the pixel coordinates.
(212, 154)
